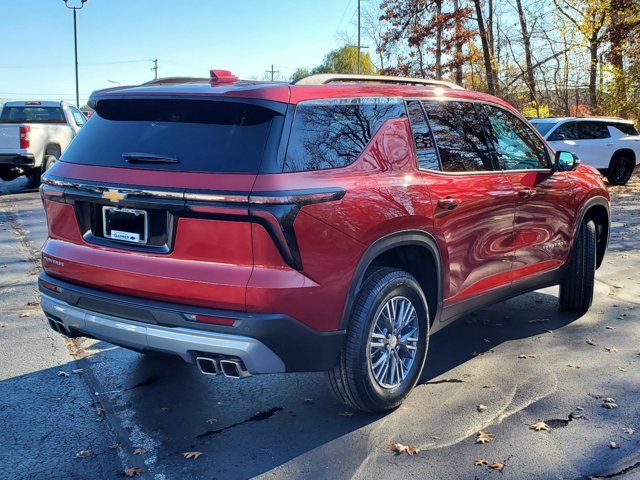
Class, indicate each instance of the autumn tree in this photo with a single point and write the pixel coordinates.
(430, 33)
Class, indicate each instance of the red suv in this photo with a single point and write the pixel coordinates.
(330, 224)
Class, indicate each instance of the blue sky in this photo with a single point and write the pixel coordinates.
(187, 36)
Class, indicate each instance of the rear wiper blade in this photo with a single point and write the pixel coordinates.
(136, 157)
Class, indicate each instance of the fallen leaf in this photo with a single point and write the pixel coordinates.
(309, 401)
(2, 325)
(613, 445)
(78, 370)
(83, 454)
(101, 411)
(191, 454)
(526, 355)
(346, 414)
(399, 449)
(609, 327)
(62, 373)
(164, 409)
(540, 426)
(480, 462)
(486, 340)
(481, 408)
(622, 369)
(133, 471)
(211, 421)
(591, 342)
(611, 349)
(489, 386)
(139, 451)
(33, 303)
(24, 314)
(484, 437)
(629, 431)
(609, 403)
(498, 466)
(573, 366)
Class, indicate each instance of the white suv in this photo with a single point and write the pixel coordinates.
(609, 144)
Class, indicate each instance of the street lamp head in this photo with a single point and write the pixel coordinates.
(82, 2)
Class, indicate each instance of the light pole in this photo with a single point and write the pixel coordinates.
(75, 43)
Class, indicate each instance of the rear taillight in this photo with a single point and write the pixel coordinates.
(24, 137)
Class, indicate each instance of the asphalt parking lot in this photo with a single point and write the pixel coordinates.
(86, 409)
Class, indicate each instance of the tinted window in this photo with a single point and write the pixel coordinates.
(543, 127)
(333, 135)
(566, 131)
(516, 145)
(592, 131)
(78, 116)
(425, 148)
(203, 135)
(458, 136)
(32, 114)
(626, 128)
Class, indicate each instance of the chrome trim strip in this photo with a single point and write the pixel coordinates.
(184, 342)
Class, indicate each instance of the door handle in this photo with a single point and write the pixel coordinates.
(448, 203)
(527, 193)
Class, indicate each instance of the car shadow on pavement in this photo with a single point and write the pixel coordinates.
(480, 332)
(248, 427)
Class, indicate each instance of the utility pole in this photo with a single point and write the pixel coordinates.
(358, 37)
(155, 68)
(75, 44)
(272, 71)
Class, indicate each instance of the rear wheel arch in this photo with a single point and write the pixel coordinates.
(414, 251)
(623, 152)
(53, 149)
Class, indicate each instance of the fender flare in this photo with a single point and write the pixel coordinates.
(384, 244)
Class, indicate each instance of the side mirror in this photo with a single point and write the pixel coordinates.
(565, 162)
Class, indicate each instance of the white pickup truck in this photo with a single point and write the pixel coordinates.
(33, 135)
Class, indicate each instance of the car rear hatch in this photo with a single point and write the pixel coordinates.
(151, 197)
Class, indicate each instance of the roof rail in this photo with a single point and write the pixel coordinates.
(326, 78)
(169, 80)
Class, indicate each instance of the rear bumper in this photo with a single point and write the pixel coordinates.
(266, 343)
(17, 160)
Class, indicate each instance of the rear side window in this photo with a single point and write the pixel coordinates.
(425, 148)
(200, 135)
(32, 114)
(626, 128)
(592, 131)
(333, 134)
(458, 136)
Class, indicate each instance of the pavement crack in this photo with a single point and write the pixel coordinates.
(264, 415)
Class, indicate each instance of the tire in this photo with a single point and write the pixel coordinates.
(353, 380)
(35, 176)
(620, 170)
(576, 288)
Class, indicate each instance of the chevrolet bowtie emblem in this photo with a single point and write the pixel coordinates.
(114, 195)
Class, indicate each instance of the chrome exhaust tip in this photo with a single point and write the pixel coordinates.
(58, 326)
(233, 369)
(207, 366)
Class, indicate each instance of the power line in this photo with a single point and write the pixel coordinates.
(272, 71)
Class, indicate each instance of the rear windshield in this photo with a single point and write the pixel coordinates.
(178, 135)
(32, 114)
(543, 127)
